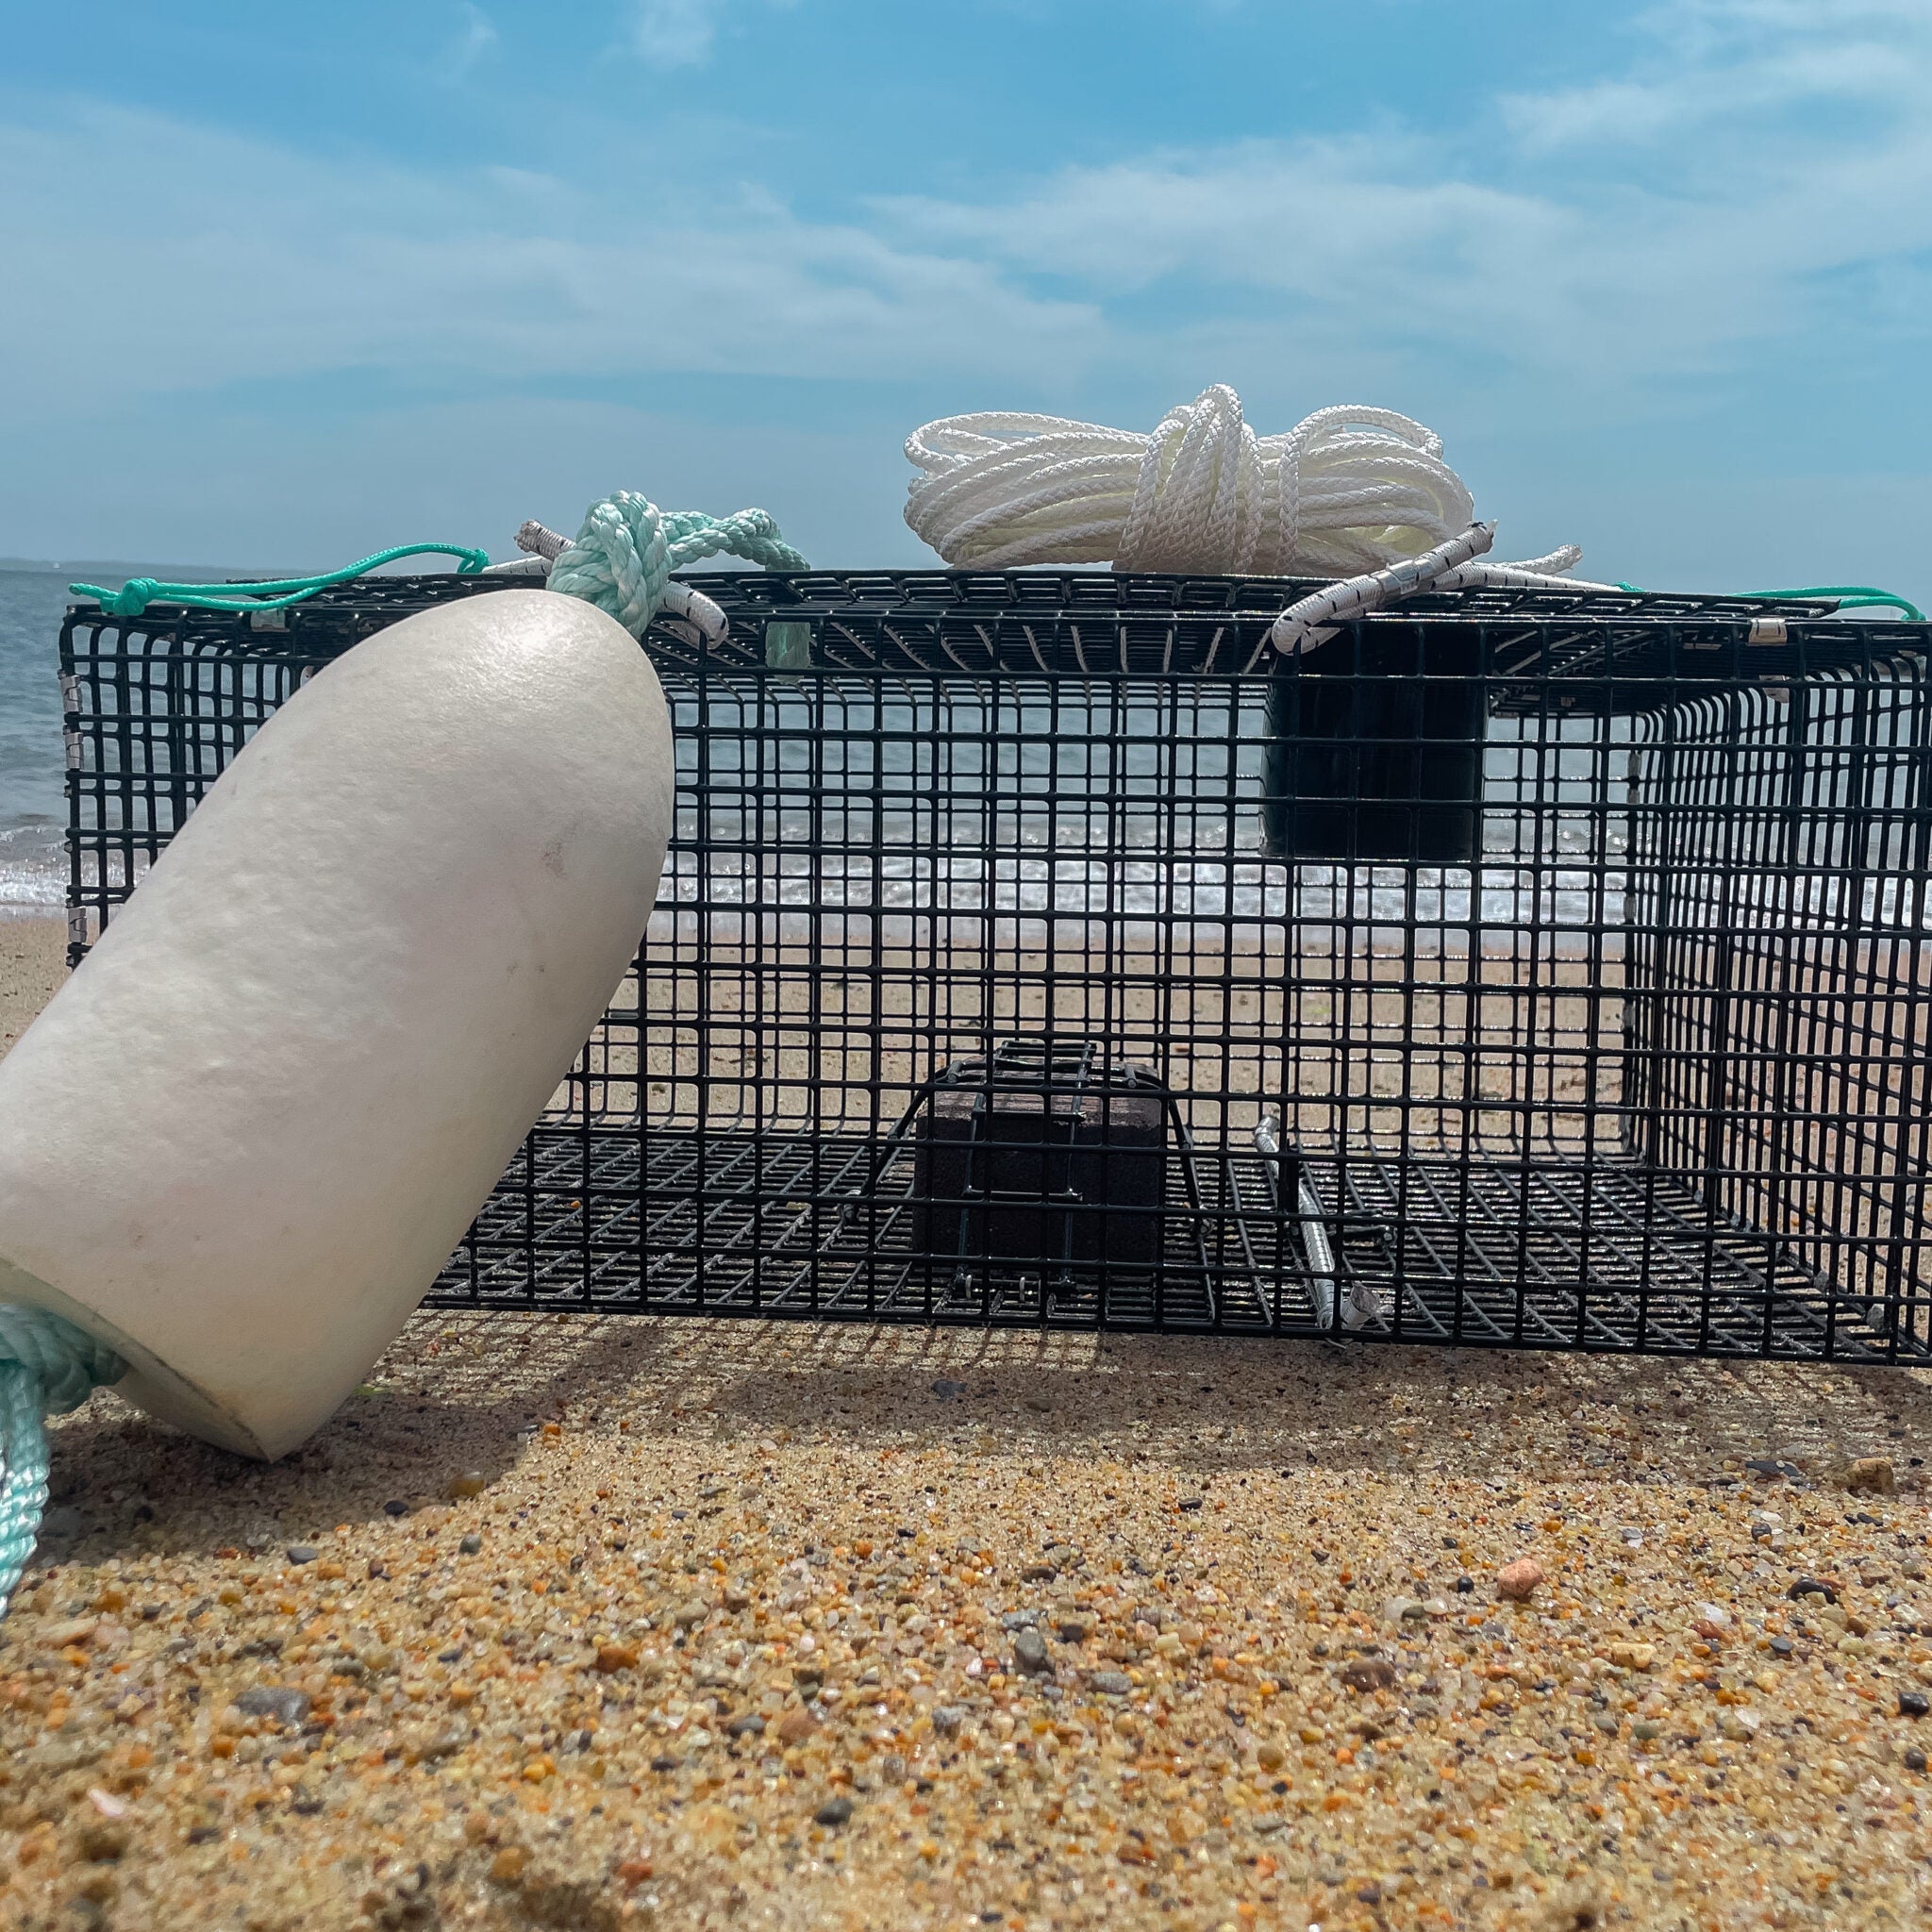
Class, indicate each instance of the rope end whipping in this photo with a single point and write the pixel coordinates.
(47, 1367)
(538, 540)
(1314, 619)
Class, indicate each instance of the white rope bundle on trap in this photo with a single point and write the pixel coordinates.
(1357, 493)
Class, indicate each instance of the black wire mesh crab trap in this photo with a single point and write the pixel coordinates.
(1516, 969)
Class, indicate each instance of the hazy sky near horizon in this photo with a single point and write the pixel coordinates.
(285, 284)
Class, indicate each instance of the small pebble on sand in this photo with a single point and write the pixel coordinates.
(281, 1702)
(1519, 1581)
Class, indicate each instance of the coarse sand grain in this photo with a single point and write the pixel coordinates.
(581, 1622)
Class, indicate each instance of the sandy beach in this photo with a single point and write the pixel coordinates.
(587, 1622)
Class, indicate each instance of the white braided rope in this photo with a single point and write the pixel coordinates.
(1310, 621)
(1347, 493)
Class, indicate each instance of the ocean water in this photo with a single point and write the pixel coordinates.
(33, 756)
(33, 804)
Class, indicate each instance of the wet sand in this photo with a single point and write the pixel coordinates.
(572, 1622)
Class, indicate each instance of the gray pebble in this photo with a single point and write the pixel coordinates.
(471, 1544)
(301, 1553)
(833, 1811)
(1019, 1620)
(395, 1507)
(752, 1725)
(1029, 1652)
(1112, 1683)
(282, 1702)
(948, 1390)
(946, 1720)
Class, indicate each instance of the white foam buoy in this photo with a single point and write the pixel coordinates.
(241, 1141)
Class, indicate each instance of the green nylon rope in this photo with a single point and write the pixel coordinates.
(1853, 597)
(620, 560)
(1849, 596)
(273, 593)
(47, 1366)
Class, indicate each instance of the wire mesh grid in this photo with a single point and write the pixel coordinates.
(1515, 969)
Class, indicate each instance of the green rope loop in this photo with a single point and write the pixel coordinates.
(274, 594)
(1849, 597)
(1853, 597)
(47, 1366)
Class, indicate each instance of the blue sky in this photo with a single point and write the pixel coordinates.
(287, 284)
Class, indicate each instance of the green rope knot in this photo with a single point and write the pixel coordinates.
(131, 599)
(622, 558)
(47, 1366)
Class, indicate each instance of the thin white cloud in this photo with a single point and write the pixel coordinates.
(255, 262)
(476, 39)
(672, 34)
(1733, 67)
(677, 33)
(1785, 177)
(1783, 149)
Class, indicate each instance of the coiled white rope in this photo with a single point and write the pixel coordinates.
(1347, 493)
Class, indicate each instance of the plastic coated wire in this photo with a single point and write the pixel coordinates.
(1105, 754)
(47, 1366)
(273, 593)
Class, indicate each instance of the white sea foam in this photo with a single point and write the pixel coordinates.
(33, 870)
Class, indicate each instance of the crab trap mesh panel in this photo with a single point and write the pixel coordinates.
(1515, 969)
